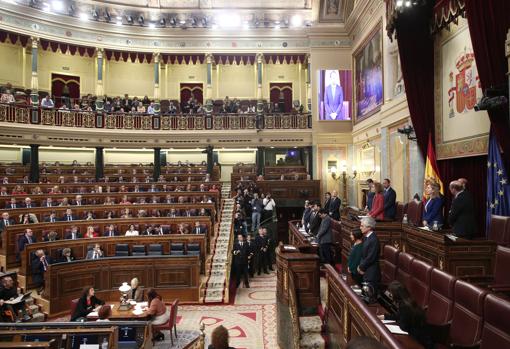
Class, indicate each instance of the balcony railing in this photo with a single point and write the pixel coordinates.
(21, 114)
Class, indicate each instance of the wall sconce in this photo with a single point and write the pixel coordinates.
(341, 174)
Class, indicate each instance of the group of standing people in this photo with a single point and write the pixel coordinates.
(252, 256)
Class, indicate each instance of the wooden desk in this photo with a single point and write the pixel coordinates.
(172, 276)
(121, 315)
(9, 247)
(348, 316)
(80, 247)
(298, 239)
(461, 258)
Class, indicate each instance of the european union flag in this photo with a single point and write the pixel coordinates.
(498, 188)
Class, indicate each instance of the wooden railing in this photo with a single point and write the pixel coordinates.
(294, 311)
(14, 113)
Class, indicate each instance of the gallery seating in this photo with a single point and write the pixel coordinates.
(496, 325)
(499, 230)
(176, 248)
(440, 304)
(155, 249)
(501, 281)
(389, 264)
(419, 282)
(121, 250)
(138, 250)
(404, 268)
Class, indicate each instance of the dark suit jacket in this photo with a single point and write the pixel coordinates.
(24, 241)
(203, 230)
(32, 205)
(9, 207)
(324, 235)
(242, 257)
(390, 203)
(307, 213)
(334, 208)
(38, 270)
(370, 259)
(315, 222)
(107, 233)
(333, 104)
(48, 219)
(2, 223)
(462, 215)
(64, 218)
(69, 236)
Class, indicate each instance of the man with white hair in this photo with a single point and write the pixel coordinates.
(369, 265)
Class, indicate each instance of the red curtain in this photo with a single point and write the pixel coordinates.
(58, 81)
(187, 89)
(489, 22)
(274, 94)
(417, 62)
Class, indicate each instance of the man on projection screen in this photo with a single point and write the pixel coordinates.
(333, 96)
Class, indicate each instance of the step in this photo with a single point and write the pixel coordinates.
(34, 308)
(310, 324)
(312, 341)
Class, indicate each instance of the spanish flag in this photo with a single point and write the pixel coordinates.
(431, 171)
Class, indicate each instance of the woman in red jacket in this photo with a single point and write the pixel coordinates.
(377, 210)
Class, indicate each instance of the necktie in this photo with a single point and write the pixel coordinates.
(52, 220)
(198, 230)
(6, 222)
(45, 264)
(241, 244)
(111, 233)
(29, 206)
(69, 218)
(13, 206)
(95, 255)
(29, 239)
(74, 236)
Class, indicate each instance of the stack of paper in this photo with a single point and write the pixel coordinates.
(395, 329)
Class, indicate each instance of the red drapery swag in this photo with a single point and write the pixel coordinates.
(58, 83)
(189, 89)
(277, 90)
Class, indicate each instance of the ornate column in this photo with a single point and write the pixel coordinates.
(308, 83)
(259, 159)
(99, 85)
(157, 164)
(99, 163)
(34, 83)
(34, 163)
(157, 106)
(259, 59)
(208, 90)
(210, 162)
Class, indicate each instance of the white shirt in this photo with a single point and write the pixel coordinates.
(333, 88)
(370, 233)
(150, 110)
(269, 205)
(132, 233)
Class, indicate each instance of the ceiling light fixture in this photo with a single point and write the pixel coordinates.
(140, 20)
(152, 25)
(296, 21)
(162, 22)
(129, 19)
(83, 16)
(119, 22)
(57, 5)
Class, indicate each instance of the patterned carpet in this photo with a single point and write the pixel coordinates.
(251, 320)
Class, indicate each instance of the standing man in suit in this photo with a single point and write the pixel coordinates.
(40, 265)
(305, 218)
(315, 219)
(334, 206)
(327, 202)
(390, 201)
(462, 211)
(325, 237)
(261, 248)
(6, 221)
(369, 265)
(240, 252)
(333, 97)
(251, 255)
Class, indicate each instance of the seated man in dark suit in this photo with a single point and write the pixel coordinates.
(315, 219)
(6, 221)
(49, 202)
(73, 234)
(325, 237)
(12, 204)
(369, 265)
(462, 211)
(110, 231)
(390, 201)
(26, 239)
(28, 203)
(199, 229)
(52, 218)
(68, 216)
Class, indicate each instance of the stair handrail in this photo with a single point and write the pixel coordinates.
(226, 296)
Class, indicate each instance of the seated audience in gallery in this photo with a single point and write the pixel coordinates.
(433, 207)
(86, 304)
(47, 102)
(377, 210)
